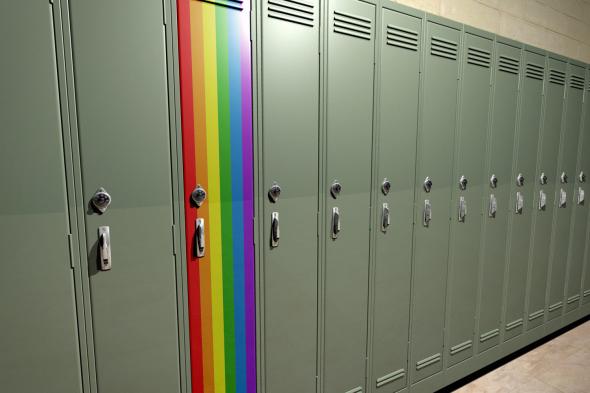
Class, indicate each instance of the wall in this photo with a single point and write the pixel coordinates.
(561, 26)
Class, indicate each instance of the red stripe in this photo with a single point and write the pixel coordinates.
(188, 151)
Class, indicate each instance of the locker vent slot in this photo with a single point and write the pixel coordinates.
(514, 324)
(389, 378)
(534, 71)
(352, 25)
(294, 11)
(489, 335)
(402, 38)
(235, 4)
(428, 361)
(443, 48)
(577, 82)
(536, 314)
(358, 389)
(509, 64)
(461, 347)
(557, 77)
(572, 299)
(479, 57)
(587, 292)
(555, 306)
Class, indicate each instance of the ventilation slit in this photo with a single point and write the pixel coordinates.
(294, 11)
(352, 25)
(557, 77)
(402, 38)
(509, 65)
(577, 82)
(235, 4)
(443, 48)
(479, 57)
(534, 71)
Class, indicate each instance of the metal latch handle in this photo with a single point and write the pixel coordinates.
(335, 222)
(385, 219)
(104, 248)
(427, 213)
(275, 230)
(200, 237)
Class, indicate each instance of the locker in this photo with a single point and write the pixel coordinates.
(290, 133)
(123, 147)
(399, 65)
(546, 181)
(585, 131)
(215, 81)
(521, 200)
(39, 344)
(500, 148)
(433, 195)
(468, 185)
(564, 194)
(349, 118)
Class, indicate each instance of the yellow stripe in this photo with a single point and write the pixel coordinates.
(214, 198)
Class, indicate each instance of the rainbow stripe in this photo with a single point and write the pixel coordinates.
(216, 101)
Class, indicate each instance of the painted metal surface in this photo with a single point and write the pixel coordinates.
(215, 80)
(585, 137)
(39, 342)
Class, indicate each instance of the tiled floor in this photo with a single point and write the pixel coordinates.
(561, 365)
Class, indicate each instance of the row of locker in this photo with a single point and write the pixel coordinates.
(423, 194)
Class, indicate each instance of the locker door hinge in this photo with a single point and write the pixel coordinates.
(165, 12)
(174, 250)
(252, 25)
(71, 250)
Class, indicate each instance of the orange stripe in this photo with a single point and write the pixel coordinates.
(201, 178)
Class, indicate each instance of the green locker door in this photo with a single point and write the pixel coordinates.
(39, 341)
(124, 146)
(564, 193)
(290, 132)
(576, 84)
(497, 193)
(399, 68)
(545, 180)
(349, 114)
(523, 185)
(434, 161)
(585, 132)
(469, 184)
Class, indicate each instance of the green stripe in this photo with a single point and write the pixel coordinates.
(226, 196)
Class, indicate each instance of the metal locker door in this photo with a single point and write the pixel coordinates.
(119, 57)
(215, 86)
(433, 196)
(289, 77)
(39, 344)
(349, 106)
(497, 193)
(399, 69)
(585, 162)
(576, 83)
(468, 189)
(546, 181)
(521, 199)
(564, 194)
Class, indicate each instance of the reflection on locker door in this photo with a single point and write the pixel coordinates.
(546, 180)
(433, 195)
(289, 83)
(565, 196)
(576, 84)
(218, 193)
(347, 189)
(468, 190)
(497, 195)
(399, 67)
(39, 341)
(521, 198)
(124, 148)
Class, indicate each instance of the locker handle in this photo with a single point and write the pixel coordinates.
(385, 220)
(335, 222)
(427, 213)
(104, 248)
(200, 237)
(462, 209)
(519, 203)
(275, 230)
(493, 206)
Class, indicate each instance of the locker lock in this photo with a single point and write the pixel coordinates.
(493, 181)
(101, 200)
(543, 178)
(198, 195)
(427, 184)
(385, 186)
(274, 193)
(563, 177)
(582, 177)
(463, 183)
(335, 189)
(520, 180)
